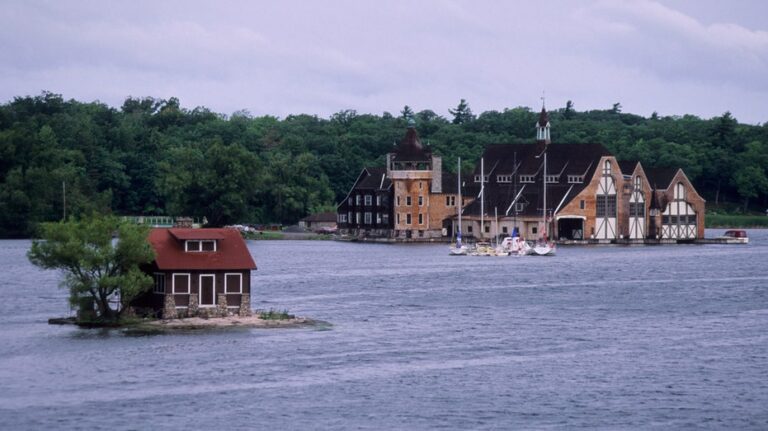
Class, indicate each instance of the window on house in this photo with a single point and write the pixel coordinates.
(357, 199)
(368, 200)
(385, 218)
(421, 185)
(408, 218)
(581, 204)
(378, 218)
(607, 167)
(378, 200)
(200, 245)
(534, 230)
(407, 201)
(421, 218)
(398, 201)
(349, 201)
(519, 207)
(159, 286)
(551, 179)
(469, 229)
(421, 201)
(680, 192)
(233, 282)
(487, 228)
(575, 179)
(342, 218)
(349, 219)
(504, 178)
(477, 178)
(526, 178)
(638, 183)
(180, 283)
(398, 218)
(504, 229)
(357, 218)
(450, 201)
(367, 218)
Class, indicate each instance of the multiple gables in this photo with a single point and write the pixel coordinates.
(200, 249)
(514, 176)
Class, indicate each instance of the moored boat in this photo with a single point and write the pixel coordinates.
(735, 236)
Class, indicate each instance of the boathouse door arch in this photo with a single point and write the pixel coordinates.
(637, 211)
(570, 227)
(605, 211)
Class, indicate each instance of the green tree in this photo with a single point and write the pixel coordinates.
(96, 267)
(462, 114)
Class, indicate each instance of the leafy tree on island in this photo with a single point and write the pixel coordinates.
(97, 268)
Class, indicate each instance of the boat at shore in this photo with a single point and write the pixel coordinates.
(459, 249)
(735, 236)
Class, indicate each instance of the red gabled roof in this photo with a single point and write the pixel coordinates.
(231, 251)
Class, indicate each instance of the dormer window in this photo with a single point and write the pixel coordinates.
(575, 179)
(477, 178)
(200, 245)
(552, 179)
(504, 178)
(526, 178)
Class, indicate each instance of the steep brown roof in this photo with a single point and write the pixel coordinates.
(231, 252)
(627, 166)
(660, 178)
(410, 148)
(321, 217)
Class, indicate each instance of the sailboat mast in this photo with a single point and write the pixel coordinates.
(460, 202)
(544, 212)
(482, 196)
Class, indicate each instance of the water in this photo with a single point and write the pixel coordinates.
(668, 337)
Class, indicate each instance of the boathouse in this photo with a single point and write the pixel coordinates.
(579, 192)
(198, 272)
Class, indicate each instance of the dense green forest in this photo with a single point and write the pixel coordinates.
(154, 157)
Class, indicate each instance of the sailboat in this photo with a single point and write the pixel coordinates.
(459, 249)
(544, 247)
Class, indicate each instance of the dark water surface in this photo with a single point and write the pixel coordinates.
(670, 337)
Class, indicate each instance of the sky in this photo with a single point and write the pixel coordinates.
(676, 57)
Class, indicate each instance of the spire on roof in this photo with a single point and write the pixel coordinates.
(542, 126)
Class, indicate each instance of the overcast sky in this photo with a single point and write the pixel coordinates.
(320, 57)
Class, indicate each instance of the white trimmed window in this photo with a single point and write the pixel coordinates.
(342, 218)
(421, 200)
(408, 218)
(504, 178)
(357, 199)
(180, 283)
(367, 217)
(421, 218)
(385, 218)
(368, 200)
(357, 218)
(233, 282)
(552, 179)
(378, 200)
(349, 218)
(526, 178)
(407, 201)
(200, 245)
(159, 286)
(378, 218)
(575, 179)
(477, 178)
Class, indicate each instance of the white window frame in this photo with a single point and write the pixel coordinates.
(154, 287)
(357, 218)
(408, 201)
(378, 218)
(357, 200)
(368, 200)
(421, 218)
(408, 219)
(526, 178)
(378, 200)
(226, 286)
(200, 290)
(421, 200)
(200, 244)
(189, 283)
(552, 179)
(367, 217)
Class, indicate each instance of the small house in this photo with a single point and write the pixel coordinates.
(319, 222)
(198, 272)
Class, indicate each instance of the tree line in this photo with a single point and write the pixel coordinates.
(153, 157)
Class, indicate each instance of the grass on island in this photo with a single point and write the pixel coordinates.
(273, 314)
(736, 221)
(265, 235)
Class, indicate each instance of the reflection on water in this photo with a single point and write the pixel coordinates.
(613, 337)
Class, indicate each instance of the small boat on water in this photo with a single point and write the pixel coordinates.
(735, 236)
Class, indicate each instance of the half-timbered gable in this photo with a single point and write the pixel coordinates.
(679, 208)
(199, 272)
(367, 208)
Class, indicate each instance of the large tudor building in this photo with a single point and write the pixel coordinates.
(198, 272)
(589, 195)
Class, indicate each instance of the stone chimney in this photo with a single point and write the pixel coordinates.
(437, 174)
